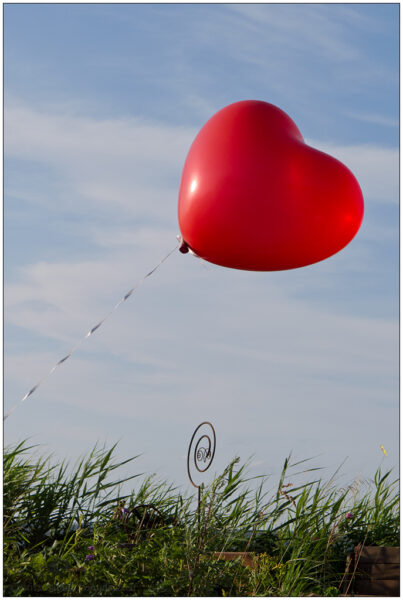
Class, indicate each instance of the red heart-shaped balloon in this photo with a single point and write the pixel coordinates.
(254, 196)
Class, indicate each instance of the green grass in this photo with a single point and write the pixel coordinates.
(65, 532)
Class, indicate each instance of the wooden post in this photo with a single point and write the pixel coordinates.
(373, 571)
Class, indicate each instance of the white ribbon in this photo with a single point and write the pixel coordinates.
(90, 332)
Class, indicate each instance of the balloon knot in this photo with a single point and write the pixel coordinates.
(184, 248)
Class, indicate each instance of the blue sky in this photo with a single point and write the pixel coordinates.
(101, 105)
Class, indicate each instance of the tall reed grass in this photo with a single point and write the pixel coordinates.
(71, 532)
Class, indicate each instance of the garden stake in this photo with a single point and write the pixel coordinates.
(203, 455)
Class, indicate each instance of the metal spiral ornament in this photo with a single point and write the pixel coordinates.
(201, 453)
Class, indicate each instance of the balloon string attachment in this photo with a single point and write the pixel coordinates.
(184, 248)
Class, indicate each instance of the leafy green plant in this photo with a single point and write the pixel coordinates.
(44, 503)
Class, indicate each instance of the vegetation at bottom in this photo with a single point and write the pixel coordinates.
(70, 532)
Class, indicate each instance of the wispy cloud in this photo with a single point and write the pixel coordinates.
(376, 119)
(60, 304)
(307, 27)
(127, 163)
